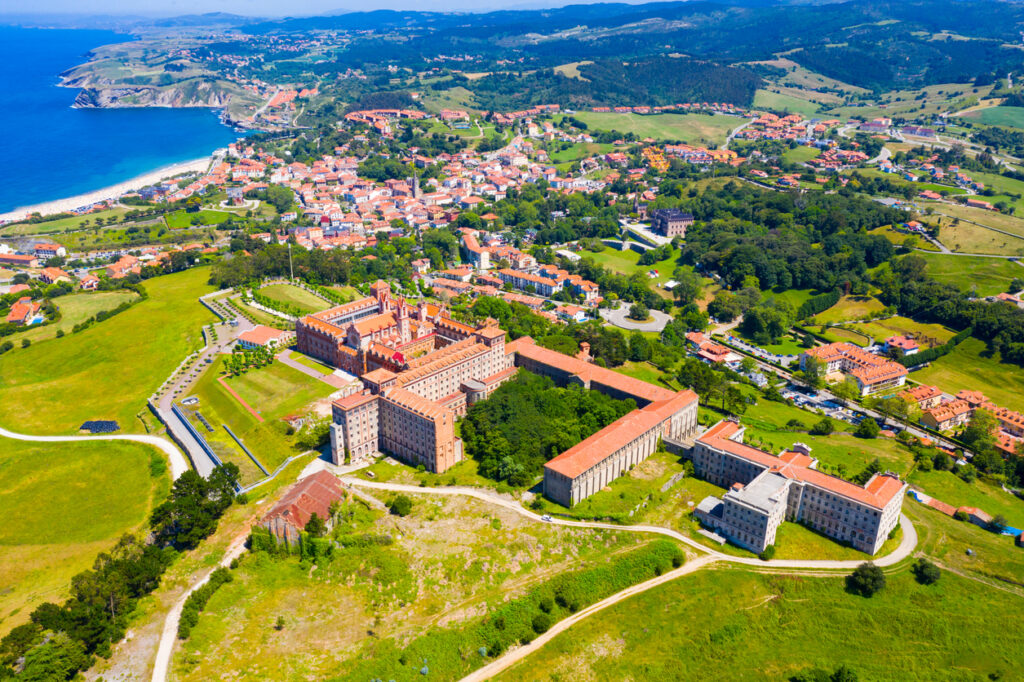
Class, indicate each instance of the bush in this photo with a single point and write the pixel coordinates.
(541, 623)
(868, 428)
(866, 580)
(926, 572)
(767, 554)
(823, 428)
(960, 515)
(998, 524)
(197, 601)
(25, 343)
(401, 505)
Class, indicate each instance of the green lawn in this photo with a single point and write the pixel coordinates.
(928, 334)
(74, 308)
(736, 625)
(701, 129)
(901, 238)
(801, 154)
(628, 262)
(967, 368)
(787, 345)
(293, 295)
(62, 505)
(951, 489)
(312, 363)
(108, 370)
(1012, 117)
(764, 99)
(275, 392)
(580, 151)
(180, 218)
(850, 308)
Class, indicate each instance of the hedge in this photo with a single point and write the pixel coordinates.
(818, 304)
(197, 601)
(929, 354)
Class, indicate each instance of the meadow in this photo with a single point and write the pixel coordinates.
(108, 370)
(850, 308)
(1012, 117)
(76, 222)
(963, 237)
(699, 129)
(766, 99)
(62, 505)
(984, 276)
(951, 489)
(969, 367)
(740, 625)
(801, 154)
(181, 219)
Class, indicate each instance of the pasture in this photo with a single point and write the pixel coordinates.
(74, 308)
(984, 276)
(969, 367)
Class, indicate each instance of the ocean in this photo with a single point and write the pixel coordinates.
(50, 151)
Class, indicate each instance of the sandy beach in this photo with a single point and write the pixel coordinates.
(112, 192)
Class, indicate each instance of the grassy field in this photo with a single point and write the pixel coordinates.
(963, 237)
(62, 505)
(275, 392)
(293, 295)
(951, 489)
(628, 262)
(770, 627)
(985, 276)
(62, 224)
(1012, 117)
(927, 334)
(451, 562)
(968, 367)
(74, 308)
(108, 370)
(1000, 221)
(312, 363)
(580, 151)
(180, 219)
(850, 308)
(801, 154)
(700, 129)
(765, 99)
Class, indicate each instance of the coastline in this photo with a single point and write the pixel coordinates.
(200, 165)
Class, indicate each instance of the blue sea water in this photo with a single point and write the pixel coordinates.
(50, 151)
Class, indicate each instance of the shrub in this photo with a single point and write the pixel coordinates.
(961, 515)
(541, 623)
(767, 554)
(401, 505)
(926, 572)
(197, 601)
(823, 428)
(868, 428)
(866, 580)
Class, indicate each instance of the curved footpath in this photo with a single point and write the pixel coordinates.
(179, 464)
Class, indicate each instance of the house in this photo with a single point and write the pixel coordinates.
(571, 313)
(54, 275)
(871, 372)
(976, 516)
(670, 222)
(312, 495)
(19, 259)
(24, 312)
(906, 344)
(261, 336)
(947, 416)
(46, 251)
(925, 397)
(89, 282)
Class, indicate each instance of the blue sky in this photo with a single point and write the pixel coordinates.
(272, 7)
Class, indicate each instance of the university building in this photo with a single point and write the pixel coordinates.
(764, 490)
(872, 372)
(670, 222)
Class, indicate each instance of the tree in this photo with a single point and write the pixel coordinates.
(812, 371)
(401, 505)
(316, 527)
(866, 580)
(926, 572)
(638, 311)
(25, 343)
(767, 553)
(688, 286)
(824, 427)
(980, 432)
(541, 623)
(868, 428)
(998, 523)
(279, 624)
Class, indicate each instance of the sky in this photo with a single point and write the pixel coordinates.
(271, 8)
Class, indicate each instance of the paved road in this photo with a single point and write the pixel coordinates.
(336, 380)
(735, 131)
(619, 317)
(178, 463)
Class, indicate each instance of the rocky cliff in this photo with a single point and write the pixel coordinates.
(207, 95)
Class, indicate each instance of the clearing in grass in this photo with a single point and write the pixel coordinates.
(74, 308)
(64, 503)
(851, 308)
(108, 370)
(765, 99)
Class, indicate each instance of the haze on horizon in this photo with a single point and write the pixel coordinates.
(274, 8)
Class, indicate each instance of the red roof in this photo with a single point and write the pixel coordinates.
(312, 494)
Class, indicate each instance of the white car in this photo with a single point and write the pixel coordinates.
(546, 517)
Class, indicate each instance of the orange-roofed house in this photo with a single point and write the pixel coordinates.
(312, 495)
(788, 487)
(24, 312)
(261, 336)
(922, 396)
(54, 275)
(872, 373)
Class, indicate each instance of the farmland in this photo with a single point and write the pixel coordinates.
(784, 103)
(985, 276)
(998, 116)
